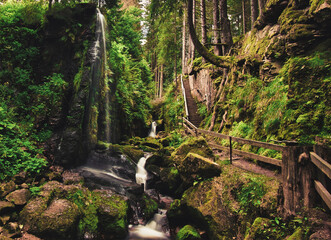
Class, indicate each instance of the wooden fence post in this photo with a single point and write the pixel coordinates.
(297, 175)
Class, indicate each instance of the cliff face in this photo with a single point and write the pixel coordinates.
(278, 86)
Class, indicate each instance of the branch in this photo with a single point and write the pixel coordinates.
(202, 50)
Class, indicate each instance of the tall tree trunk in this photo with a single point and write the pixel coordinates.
(191, 45)
(161, 81)
(156, 75)
(261, 6)
(216, 28)
(254, 12)
(175, 28)
(226, 35)
(184, 71)
(243, 16)
(203, 24)
(202, 50)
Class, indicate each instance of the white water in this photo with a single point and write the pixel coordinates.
(152, 133)
(152, 230)
(141, 174)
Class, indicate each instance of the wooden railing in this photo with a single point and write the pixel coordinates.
(196, 131)
(325, 168)
(300, 183)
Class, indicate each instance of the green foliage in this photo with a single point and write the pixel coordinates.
(34, 191)
(17, 151)
(250, 194)
(173, 107)
(176, 139)
(130, 73)
(188, 232)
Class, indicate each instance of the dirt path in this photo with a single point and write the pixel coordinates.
(247, 165)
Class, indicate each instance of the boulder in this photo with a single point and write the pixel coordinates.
(20, 177)
(19, 197)
(194, 166)
(112, 210)
(6, 207)
(194, 145)
(215, 205)
(188, 233)
(57, 221)
(71, 177)
(6, 188)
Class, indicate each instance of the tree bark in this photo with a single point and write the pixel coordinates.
(161, 81)
(243, 16)
(203, 24)
(216, 28)
(184, 69)
(254, 12)
(191, 44)
(261, 6)
(226, 35)
(202, 50)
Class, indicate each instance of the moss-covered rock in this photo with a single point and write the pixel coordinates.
(188, 232)
(19, 197)
(149, 207)
(194, 145)
(6, 187)
(257, 228)
(216, 205)
(113, 213)
(132, 152)
(195, 166)
(58, 220)
(297, 235)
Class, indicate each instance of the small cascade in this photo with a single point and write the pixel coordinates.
(152, 133)
(141, 174)
(153, 229)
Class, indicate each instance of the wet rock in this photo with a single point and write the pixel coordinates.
(6, 188)
(24, 185)
(6, 207)
(72, 177)
(19, 197)
(57, 221)
(132, 152)
(188, 233)
(113, 213)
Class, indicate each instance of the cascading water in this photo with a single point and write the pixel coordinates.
(152, 133)
(141, 174)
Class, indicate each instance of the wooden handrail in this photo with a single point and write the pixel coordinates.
(325, 195)
(269, 160)
(323, 165)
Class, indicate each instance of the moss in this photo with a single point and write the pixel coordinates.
(132, 152)
(194, 145)
(112, 212)
(149, 207)
(297, 235)
(257, 229)
(188, 233)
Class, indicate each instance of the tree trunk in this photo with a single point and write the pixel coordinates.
(261, 6)
(156, 75)
(191, 44)
(202, 50)
(226, 35)
(175, 28)
(184, 71)
(216, 28)
(254, 12)
(161, 81)
(243, 16)
(203, 24)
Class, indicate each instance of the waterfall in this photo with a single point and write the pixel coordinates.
(141, 174)
(152, 133)
(152, 230)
